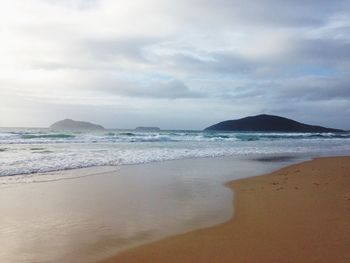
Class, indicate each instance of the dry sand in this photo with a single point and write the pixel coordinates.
(300, 213)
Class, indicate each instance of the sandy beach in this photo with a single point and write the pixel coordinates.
(174, 131)
(300, 213)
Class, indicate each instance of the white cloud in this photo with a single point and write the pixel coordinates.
(228, 57)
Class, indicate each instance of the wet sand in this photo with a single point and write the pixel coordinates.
(300, 213)
(101, 211)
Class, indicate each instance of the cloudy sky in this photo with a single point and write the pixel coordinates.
(182, 64)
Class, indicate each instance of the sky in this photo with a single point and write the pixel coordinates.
(183, 64)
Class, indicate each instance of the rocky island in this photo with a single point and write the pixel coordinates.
(267, 123)
(71, 125)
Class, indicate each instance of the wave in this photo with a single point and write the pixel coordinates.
(289, 136)
(127, 134)
(28, 159)
(171, 136)
(114, 134)
(222, 136)
(47, 136)
(49, 161)
(37, 148)
(27, 151)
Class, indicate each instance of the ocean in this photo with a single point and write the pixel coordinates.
(112, 204)
(26, 151)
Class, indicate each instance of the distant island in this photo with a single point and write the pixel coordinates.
(267, 123)
(153, 129)
(71, 125)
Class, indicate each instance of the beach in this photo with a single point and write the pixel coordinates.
(84, 197)
(300, 213)
(174, 131)
(85, 215)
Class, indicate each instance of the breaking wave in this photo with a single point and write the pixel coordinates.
(40, 150)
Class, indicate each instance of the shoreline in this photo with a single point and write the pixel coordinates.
(94, 217)
(81, 172)
(299, 213)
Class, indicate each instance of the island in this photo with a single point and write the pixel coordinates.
(147, 129)
(267, 123)
(72, 125)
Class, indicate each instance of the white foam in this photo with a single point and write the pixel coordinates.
(43, 151)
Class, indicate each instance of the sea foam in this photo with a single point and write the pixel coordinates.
(28, 151)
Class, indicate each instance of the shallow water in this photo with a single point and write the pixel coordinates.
(105, 210)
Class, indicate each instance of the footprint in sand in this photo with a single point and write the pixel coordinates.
(347, 196)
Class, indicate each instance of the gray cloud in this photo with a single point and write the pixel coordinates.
(323, 52)
(229, 57)
(287, 13)
(316, 88)
(168, 89)
(213, 63)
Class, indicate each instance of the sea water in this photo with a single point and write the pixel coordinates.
(29, 151)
